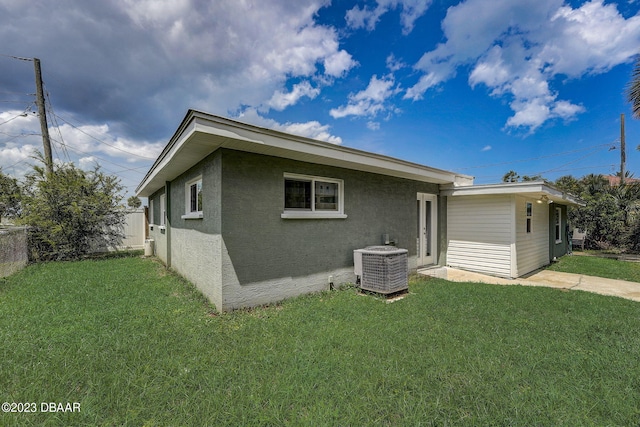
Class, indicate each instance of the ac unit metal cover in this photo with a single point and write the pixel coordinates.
(383, 269)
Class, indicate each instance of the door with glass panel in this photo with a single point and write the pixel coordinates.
(427, 227)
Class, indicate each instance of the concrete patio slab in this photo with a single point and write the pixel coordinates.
(546, 278)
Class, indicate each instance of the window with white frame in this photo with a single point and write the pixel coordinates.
(558, 225)
(529, 216)
(193, 199)
(313, 197)
(150, 212)
(163, 212)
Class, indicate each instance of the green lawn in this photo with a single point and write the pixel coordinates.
(599, 267)
(137, 346)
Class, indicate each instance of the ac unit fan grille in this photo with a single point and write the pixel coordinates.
(384, 273)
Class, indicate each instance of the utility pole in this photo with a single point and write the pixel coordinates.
(48, 159)
(623, 152)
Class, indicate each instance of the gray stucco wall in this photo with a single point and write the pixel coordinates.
(209, 168)
(242, 253)
(263, 246)
(196, 244)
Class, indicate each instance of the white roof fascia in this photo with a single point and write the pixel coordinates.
(203, 133)
(533, 188)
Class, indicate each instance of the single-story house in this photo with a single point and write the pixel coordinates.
(253, 216)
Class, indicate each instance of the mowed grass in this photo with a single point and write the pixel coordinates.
(599, 267)
(137, 346)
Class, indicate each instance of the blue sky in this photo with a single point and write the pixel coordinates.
(477, 87)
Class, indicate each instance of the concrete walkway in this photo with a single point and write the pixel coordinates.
(551, 279)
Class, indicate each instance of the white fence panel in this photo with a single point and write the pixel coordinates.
(134, 230)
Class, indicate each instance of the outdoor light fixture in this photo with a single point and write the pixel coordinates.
(544, 198)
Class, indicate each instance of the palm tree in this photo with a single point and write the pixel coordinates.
(633, 89)
(595, 185)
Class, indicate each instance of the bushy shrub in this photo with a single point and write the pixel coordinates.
(71, 212)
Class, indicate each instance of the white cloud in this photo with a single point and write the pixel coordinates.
(279, 101)
(394, 64)
(411, 11)
(370, 101)
(23, 140)
(87, 163)
(593, 38)
(87, 139)
(365, 17)
(427, 81)
(492, 70)
(567, 110)
(254, 47)
(486, 148)
(339, 63)
(531, 113)
(516, 49)
(371, 125)
(312, 129)
(156, 57)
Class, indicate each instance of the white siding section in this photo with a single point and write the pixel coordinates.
(532, 249)
(479, 233)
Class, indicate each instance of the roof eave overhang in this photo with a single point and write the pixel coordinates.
(534, 189)
(201, 134)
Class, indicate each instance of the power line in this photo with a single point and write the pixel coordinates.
(21, 135)
(57, 126)
(103, 159)
(20, 58)
(102, 142)
(23, 114)
(9, 92)
(537, 158)
(569, 163)
(610, 165)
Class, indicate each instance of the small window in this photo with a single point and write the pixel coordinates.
(312, 197)
(163, 212)
(529, 216)
(193, 199)
(150, 212)
(558, 225)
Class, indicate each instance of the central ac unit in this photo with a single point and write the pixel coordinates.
(382, 269)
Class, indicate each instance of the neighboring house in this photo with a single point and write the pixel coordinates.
(614, 180)
(253, 216)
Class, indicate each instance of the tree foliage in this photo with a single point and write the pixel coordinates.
(610, 215)
(71, 213)
(134, 202)
(633, 89)
(512, 176)
(10, 197)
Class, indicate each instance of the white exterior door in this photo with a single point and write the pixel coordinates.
(427, 227)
